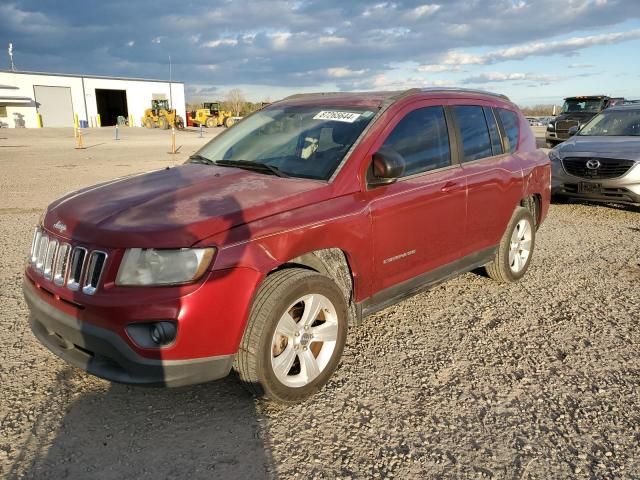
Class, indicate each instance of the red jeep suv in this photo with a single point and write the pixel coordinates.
(301, 220)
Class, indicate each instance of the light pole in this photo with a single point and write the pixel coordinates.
(170, 81)
(10, 50)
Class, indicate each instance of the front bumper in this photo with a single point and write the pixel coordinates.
(105, 354)
(625, 189)
(557, 136)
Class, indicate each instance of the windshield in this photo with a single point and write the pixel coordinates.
(571, 105)
(613, 123)
(299, 141)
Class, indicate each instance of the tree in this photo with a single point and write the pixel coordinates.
(235, 101)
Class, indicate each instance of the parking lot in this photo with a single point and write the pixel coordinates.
(537, 379)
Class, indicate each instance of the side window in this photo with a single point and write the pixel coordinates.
(474, 134)
(511, 127)
(421, 137)
(494, 132)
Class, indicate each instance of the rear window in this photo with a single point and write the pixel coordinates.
(494, 133)
(511, 127)
(476, 143)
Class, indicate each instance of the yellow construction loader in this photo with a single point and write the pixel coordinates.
(210, 115)
(161, 116)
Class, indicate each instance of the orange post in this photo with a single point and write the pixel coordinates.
(79, 143)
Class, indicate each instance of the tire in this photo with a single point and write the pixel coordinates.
(506, 268)
(273, 339)
(550, 144)
(229, 122)
(211, 122)
(162, 123)
(148, 123)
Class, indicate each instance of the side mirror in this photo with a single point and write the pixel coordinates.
(388, 165)
(573, 130)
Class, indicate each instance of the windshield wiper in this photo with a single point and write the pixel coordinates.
(197, 158)
(255, 166)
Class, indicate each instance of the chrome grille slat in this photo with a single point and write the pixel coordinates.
(95, 266)
(37, 235)
(42, 253)
(47, 268)
(61, 264)
(66, 265)
(78, 258)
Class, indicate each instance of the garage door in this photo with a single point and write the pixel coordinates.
(54, 104)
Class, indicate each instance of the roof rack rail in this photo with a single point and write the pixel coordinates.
(321, 94)
(462, 90)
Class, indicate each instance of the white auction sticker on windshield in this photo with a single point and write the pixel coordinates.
(348, 117)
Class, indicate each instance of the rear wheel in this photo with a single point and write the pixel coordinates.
(162, 123)
(295, 336)
(515, 250)
(229, 122)
(148, 123)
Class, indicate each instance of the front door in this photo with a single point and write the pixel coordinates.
(419, 221)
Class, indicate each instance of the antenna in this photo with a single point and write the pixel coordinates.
(10, 50)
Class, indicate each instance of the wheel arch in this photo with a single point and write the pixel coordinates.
(533, 203)
(332, 262)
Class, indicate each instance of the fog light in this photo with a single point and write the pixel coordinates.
(153, 334)
(163, 333)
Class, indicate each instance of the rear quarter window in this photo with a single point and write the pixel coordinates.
(511, 125)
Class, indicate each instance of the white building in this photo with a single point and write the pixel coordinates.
(33, 99)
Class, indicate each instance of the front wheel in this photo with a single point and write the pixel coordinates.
(514, 253)
(295, 336)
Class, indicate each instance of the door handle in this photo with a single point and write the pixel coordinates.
(450, 187)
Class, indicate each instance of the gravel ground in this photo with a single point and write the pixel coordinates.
(539, 379)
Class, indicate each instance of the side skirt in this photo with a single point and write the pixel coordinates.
(409, 288)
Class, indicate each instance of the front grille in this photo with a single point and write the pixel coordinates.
(64, 264)
(607, 167)
(566, 124)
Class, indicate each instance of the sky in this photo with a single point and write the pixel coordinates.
(533, 51)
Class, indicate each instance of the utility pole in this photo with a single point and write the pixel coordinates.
(170, 81)
(10, 50)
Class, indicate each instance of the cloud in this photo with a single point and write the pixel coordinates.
(520, 52)
(341, 72)
(425, 10)
(221, 42)
(489, 77)
(303, 44)
(580, 65)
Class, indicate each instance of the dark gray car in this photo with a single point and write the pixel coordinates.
(601, 162)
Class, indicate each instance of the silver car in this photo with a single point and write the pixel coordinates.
(601, 161)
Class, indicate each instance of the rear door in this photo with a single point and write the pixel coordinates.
(418, 222)
(494, 176)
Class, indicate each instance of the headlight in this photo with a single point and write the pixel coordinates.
(147, 266)
(551, 126)
(553, 156)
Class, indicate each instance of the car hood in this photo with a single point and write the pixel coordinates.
(627, 148)
(175, 207)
